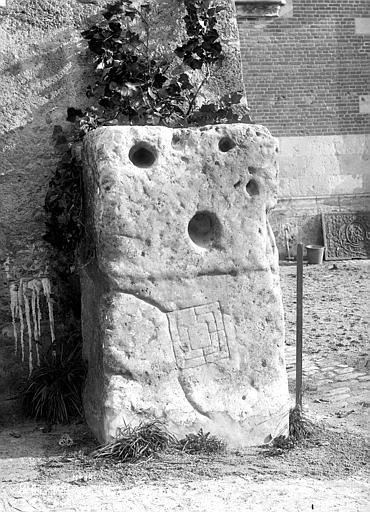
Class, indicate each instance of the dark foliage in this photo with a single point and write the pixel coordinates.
(64, 228)
(63, 205)
(54, 389)
(135, 87)
(203, 46)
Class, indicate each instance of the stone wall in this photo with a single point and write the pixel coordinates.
(43, 71)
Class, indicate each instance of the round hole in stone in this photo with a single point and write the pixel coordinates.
(142, 154)
(204, 229)
(225, 144)
(252, 188)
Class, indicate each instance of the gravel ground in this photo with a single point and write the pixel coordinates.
(336, 312)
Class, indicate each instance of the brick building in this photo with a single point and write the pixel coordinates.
(307, 78)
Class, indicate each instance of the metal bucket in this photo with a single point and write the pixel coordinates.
(315, 254)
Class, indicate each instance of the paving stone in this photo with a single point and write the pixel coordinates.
(344, 377)
(323, 382)
(338, 391)
(310, 372)
(341, 371)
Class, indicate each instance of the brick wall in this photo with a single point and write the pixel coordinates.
(304, 74)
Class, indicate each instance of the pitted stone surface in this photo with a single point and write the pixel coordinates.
(182, 310)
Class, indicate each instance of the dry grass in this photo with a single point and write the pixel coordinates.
(300, 429)
(202, 443)
(138, 442)
(146, 439)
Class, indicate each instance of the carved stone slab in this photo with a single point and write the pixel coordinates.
(346, 235)
(182, 311)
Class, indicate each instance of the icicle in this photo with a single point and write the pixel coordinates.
(32, 285)
(20, 304)
(47, 292)
(14, 309)
(38, 288)
(29, 327)
(6, 266)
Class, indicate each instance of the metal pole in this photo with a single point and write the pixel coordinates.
(299, 325)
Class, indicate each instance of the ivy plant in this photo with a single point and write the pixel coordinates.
(135, 85)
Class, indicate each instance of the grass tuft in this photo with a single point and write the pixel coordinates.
(300, 429)
(138, 442)
(201, 443)
(54, 389)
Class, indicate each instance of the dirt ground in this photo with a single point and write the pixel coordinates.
(329, 473)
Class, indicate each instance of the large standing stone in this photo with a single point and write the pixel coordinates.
(182, 310)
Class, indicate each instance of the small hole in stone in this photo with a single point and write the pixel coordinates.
(204, 229)
(252, 188)
(176, 139)
(142, 155)
(237, 184)
(264, 363)
(226, 144)
(258, 134)
(252, 169)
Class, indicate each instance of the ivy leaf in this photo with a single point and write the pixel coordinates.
(159, 80)
(115, 27)
(105, 102)
(73, 113)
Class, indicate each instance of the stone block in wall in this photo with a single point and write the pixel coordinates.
(181, 305)
(251, 9)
